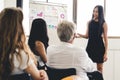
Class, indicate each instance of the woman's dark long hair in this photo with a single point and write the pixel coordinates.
(38, 33)
(101, 19)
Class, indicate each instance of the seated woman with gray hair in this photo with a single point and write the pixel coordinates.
(67, 55)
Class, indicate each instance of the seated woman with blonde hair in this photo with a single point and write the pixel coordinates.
(15, 56)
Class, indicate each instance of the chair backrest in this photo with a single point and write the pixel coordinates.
(23, 76)
(58, 74)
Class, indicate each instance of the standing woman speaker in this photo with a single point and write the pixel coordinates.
(96, 34)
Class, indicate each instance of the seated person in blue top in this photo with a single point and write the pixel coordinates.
(67, 55)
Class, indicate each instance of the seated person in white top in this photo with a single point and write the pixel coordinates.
(66, 55)
(15, 55)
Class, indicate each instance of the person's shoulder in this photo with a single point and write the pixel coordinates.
(104, 24)
(39, 44)
(88, 22)
(23, 53)
(79, 49)
(80, 52)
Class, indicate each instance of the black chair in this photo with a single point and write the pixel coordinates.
(58, 74)
(23, 76)
(96, 75)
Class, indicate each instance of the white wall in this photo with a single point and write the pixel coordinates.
(112, 66)
(26, 16)
(84, 13)
(112, 17)
(1, 4)
(7, 3)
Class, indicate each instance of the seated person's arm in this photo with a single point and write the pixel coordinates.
(35, 73)
(28, 65)
(41, 50)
